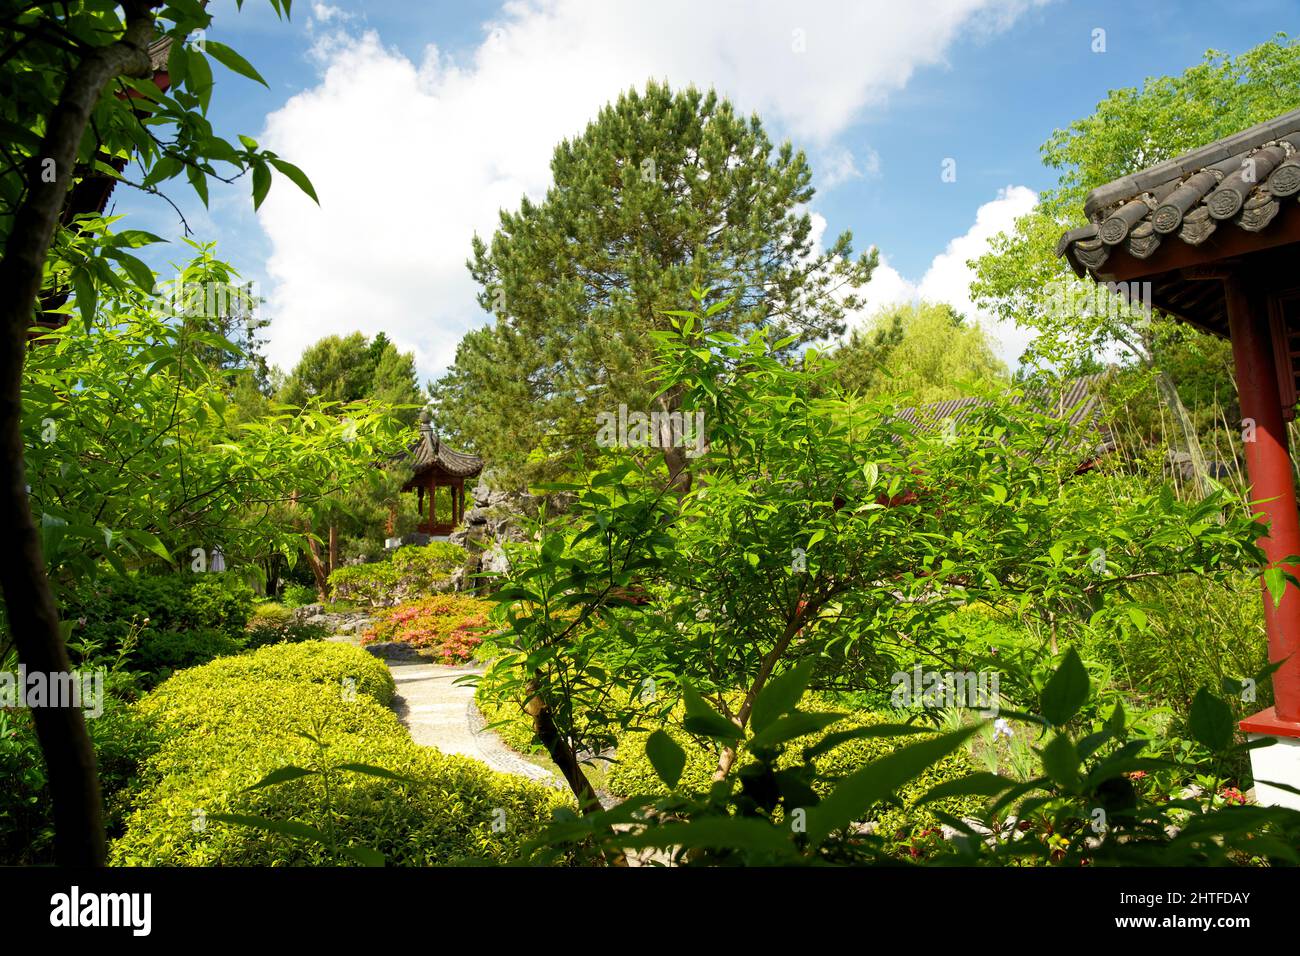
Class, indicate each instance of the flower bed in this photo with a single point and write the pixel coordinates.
(448, 624)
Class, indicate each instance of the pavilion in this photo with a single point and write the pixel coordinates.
(439, 472)
(1213, 239)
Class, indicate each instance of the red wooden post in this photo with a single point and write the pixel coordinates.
(1273, 492)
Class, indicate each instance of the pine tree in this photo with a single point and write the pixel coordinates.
(663, 191)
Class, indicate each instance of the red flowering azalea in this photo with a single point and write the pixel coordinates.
(449, 624)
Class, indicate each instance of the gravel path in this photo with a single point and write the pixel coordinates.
(440, 713)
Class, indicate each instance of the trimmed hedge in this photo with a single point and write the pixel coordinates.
(225, 725)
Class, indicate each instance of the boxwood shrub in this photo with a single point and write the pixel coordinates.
(224, 726)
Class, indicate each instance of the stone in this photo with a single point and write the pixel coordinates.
(494, 561)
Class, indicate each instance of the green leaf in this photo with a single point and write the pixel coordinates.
(1211, 721)
(233, 61)
(364, 855)
(199, 77)
(163, 168)
(284, 827)
(792, 726)
(704, 720)
(83, 288)
(199, 180)
(373, 771)
(151, 543)
(666, 756)
(261, 183)
(980, 784)
(1066, 690)
(831, 741)
(1275, 581)
(1061, 761)
(780, 695)
(139, 272)
(730, 833)
(882, 778)
(281, 775)
(297, 177)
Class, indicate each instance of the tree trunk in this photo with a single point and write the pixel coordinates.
(334, 549)
(318, 569)
(675, 457)
(564, 757)
(806, 611)
(560, 750)
(29, 602)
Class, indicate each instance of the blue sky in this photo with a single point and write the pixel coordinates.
(417, 121)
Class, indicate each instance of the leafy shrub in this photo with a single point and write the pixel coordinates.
(633, 773)
(163, 651)
(298, 595)
(319, 663)
(372, 584)
(412, 572)
(226, 725)
(449, 624)
(507, 720)
(123, 740)
(103, 610)
(1193, 635)
(274, 624)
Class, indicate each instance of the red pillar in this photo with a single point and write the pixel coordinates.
(1273, 493)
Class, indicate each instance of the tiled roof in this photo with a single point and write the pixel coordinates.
(160, 51)
(1076, 400)
(428, 451)
(1238, 182)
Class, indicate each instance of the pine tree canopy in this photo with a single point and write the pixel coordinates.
(664, 191)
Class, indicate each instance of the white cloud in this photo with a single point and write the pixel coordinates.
(948, 277)
(838, 165)
(411, 158)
